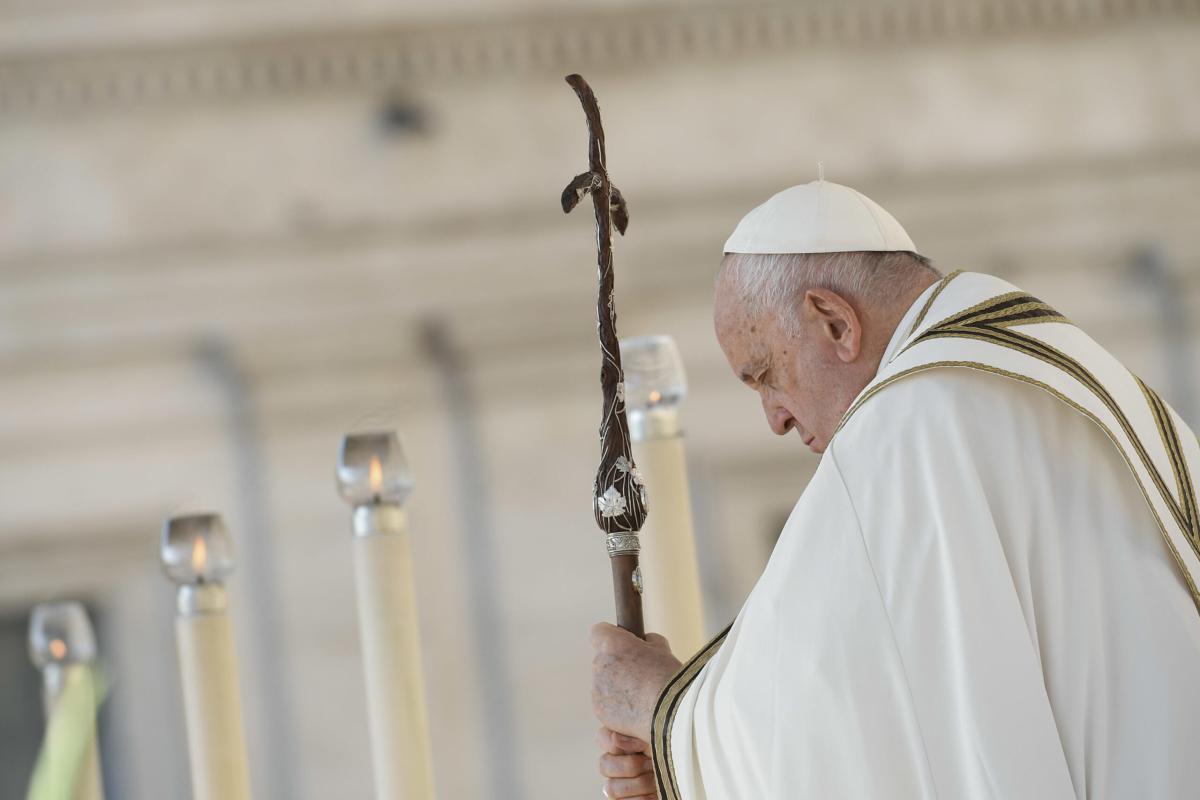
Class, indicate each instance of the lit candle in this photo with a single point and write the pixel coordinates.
(373, 477)
(198, 556)
(654, 386)
(63, 646)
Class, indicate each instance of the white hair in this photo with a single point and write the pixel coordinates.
(773, 283)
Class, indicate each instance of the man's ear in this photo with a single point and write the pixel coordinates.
(836, 321)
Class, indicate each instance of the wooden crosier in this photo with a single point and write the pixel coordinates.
(619, 495)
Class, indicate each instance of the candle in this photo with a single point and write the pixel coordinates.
(654, 386)
(63, 646)
(198, 557)
(373, 477)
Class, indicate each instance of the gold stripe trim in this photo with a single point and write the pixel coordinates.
(955, 319)
(987, 321)
(1174, 447)
(1005, 310)
(664, 716)
(982, 307)
(976, 365)
(1035, 348)
(942, 284)
(991, 321)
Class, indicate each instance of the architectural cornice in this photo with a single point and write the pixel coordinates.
(120, 76)
(532, 222)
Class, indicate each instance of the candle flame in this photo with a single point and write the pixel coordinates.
(58, 649)
(655, 396)
(199, 554)
(375, 475)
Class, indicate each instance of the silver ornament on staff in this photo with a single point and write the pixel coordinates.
(655, 386)
(197, 555)
(373, 476)
(62, 645)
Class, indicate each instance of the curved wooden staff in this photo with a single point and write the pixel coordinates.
(619, 493)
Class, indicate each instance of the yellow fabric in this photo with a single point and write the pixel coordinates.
(68, 740)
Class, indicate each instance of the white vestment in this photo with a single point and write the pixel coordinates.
(986, 590)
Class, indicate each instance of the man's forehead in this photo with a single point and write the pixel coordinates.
(730, 309)
(748, 351)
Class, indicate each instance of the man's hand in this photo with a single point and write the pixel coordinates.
(627, 677)
(626, 763)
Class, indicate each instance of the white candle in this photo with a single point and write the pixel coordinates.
(373, 477)
(63, 646)
(198, 556)
(654, 387)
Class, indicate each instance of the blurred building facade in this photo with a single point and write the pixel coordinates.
(230, 232)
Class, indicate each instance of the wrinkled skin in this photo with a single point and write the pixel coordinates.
(807, 377)
(627, 676)
(625, 763)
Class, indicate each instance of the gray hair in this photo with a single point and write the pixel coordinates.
(773, 283)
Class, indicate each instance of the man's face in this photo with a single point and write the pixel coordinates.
(804, 379)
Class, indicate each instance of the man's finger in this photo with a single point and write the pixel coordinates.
(609, 741)
(624, 766)
(640, 786)
(605, 637)
(599, 635)
(629, 744)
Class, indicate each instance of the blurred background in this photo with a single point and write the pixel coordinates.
(231, 231)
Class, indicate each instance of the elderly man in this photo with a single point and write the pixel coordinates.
(987, 590)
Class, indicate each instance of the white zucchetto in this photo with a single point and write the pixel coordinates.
(818, 217)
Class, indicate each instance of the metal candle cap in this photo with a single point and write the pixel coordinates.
(61, 633)
(372, 469)
(196, 548)
(654, 374)
(654, 386)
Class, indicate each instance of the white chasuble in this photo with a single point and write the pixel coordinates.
(986, 590)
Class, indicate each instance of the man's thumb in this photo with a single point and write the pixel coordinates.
(659, 641)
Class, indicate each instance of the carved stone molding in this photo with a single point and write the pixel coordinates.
(403, 58)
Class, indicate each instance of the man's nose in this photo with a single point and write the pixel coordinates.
(778, 417)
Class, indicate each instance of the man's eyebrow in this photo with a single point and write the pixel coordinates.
(751, 372)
